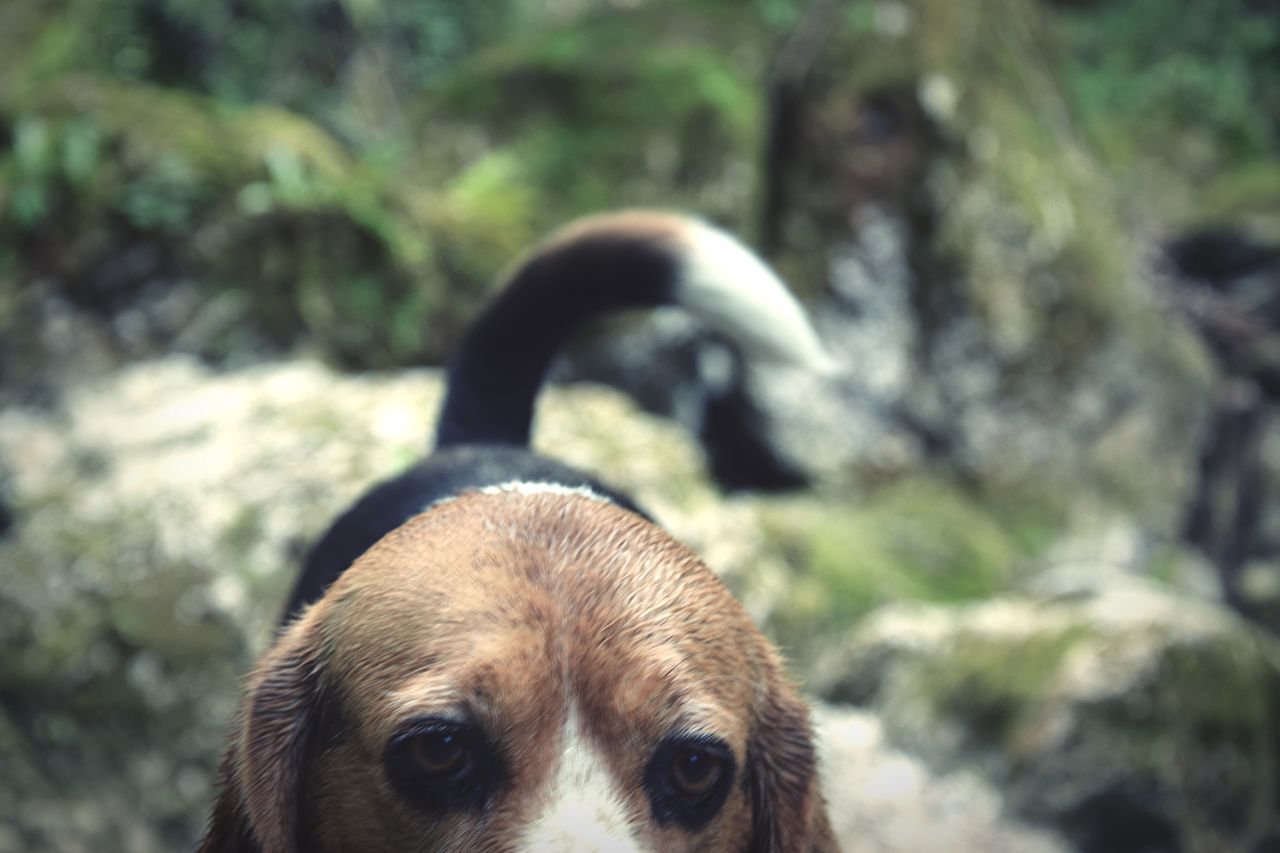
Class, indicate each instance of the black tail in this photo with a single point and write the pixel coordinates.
(500, 364)
(599, 265)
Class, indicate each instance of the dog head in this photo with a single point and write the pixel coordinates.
(522, 670)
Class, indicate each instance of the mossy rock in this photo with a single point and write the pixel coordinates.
(1041, 350)
(1124, 717)
(1248, 194)
(829, 563)
(159, 517)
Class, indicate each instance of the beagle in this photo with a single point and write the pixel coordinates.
(495, 652)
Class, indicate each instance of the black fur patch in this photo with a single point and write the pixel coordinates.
(444, 474)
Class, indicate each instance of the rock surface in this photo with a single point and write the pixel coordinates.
(886, 801)
(1129, 718)
(158, 516)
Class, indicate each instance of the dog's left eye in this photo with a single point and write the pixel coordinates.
(443, 765)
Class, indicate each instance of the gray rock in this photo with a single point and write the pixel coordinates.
(847, 425)
(886, 801)
(1127, 718)
(158, 518)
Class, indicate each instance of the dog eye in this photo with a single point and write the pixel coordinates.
(688, 779)
(443, 765)
(439, 753)
(696, 771)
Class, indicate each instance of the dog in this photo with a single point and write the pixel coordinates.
(496, 652)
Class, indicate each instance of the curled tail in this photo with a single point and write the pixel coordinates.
(595, 266)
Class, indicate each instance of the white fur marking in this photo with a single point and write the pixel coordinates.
(524, 487)
(583, 813)
(728, 287)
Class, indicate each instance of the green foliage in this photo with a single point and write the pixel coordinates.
(468, 129)
(180, 127)
(291, 52)
(1014, 221)
(1181, 102)
(255, 203)
(1162, 69)
(591, 117)
(1248, 193)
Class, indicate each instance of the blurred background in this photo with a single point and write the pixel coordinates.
(1023, 549)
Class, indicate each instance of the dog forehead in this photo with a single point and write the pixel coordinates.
(506, 556)
(510, 590)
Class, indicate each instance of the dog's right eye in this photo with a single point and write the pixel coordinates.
(443, 765)
(440, 754)
(688, 778)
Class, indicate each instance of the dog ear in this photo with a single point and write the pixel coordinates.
(229, 830)
(788, 812)
(260, 805)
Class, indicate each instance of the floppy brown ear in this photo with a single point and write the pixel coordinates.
(788, 812)
(259, 806)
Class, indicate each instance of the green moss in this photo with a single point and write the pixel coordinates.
(1218, 693)
(1196, 726)
(1248, 193)
(1205, 726)
(243, 531)
(1019, 224)
(917, 540)
(990, 684)
(76, 635)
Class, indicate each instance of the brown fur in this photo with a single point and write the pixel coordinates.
(516, 607)
(651, 225)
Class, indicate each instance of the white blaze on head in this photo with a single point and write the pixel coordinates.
(728, 287)
(583, 812)
(528, 487)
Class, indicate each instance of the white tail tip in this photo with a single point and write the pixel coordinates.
(731, 289)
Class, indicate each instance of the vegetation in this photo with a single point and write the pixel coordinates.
(1182, 101)
(347, 178)
(357, 186)
(992, 686)
(1211, 752)
(918, 540)
(353, 176)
